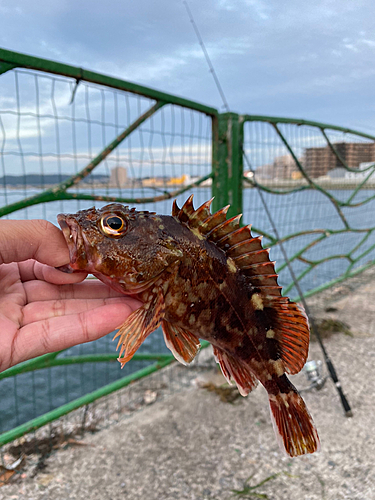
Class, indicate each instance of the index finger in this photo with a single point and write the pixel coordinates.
(32, 239)
(33, 270)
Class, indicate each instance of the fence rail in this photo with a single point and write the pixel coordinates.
(69, 136)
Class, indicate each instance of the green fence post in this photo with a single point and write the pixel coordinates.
(227, 162)
(4, 67)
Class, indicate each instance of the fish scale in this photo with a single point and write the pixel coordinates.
(201, 275)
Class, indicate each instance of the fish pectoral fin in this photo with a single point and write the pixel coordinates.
(291, 330)
(139, 325)
(236, 370)
(183, 344)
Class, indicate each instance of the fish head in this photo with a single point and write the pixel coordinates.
(118, 245)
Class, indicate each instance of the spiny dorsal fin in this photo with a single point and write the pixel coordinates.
(237, 242)
(223, 230)
(201, 214)
(185, 212)
(175, 209)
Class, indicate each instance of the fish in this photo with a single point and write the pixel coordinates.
(202, 276)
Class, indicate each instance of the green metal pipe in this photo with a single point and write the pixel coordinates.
(38, 422)
(4, 67)
(49, 361)
(298, 121)
(228, 166)
(252, 184)
(28, 366)
(48, 66)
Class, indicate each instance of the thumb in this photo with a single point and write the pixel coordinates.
(32, 239)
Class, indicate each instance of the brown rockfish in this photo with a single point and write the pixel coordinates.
(202, 276)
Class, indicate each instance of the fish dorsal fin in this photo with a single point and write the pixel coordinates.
(183, 344)
(237, 242)
(184, 213)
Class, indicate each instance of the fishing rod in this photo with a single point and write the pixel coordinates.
(327, 359)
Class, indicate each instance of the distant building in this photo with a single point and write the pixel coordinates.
(263, 172)
(337, 173)
(362, 173)
(119, 177)
(320, 161)
(283, 167)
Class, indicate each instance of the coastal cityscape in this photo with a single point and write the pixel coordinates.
(321, 162)
(348, 164)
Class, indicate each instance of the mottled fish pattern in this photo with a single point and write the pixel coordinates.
(201, 275)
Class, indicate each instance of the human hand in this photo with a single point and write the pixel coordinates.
(42, 309)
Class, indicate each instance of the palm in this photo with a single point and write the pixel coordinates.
(43, 310)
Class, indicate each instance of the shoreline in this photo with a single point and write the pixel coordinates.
(342, 184)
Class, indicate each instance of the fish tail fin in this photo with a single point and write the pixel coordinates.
(293, 424)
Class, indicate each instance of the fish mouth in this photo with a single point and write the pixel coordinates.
(76, 244)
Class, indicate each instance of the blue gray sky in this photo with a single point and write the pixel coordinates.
(312, 60)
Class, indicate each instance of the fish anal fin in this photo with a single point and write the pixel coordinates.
(293, 425)
(183, 344)
(291, 330)
(234, 369)
(139, 325)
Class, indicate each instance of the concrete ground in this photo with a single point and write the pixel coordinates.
(192, 445)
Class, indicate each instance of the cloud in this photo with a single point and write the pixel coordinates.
(259, 8)
(312, 60)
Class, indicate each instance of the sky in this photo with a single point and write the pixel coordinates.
(311, 60)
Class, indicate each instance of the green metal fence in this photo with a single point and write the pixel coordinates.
(70, 137)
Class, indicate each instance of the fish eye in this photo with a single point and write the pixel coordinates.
(113, 225)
